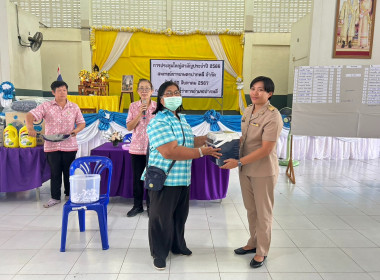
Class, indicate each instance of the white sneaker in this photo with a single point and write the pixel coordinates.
(51, 202)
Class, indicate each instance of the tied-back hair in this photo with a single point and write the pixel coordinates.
(57, 84)
(160, 94)
(268, 84)
(144, 80)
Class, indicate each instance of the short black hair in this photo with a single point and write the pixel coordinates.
(161, 92)
(268, 83)
(57, 84)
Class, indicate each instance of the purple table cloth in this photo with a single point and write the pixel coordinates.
(208, 181)
(22, 169)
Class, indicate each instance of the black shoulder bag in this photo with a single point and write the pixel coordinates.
(155, 177)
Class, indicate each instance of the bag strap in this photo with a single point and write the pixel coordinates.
(173, 162)
(183, 134)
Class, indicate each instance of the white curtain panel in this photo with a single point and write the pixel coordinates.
(335, 148)
(91, 137)
(122, 40)
(217, 48)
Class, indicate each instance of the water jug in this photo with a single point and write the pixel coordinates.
(10, 137)
(25, 140)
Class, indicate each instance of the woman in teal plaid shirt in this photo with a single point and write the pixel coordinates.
(171, 138)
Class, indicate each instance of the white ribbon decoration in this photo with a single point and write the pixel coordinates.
(122, 40)
(204, 128)
(217, 48)
(6, 103)
(91, 137)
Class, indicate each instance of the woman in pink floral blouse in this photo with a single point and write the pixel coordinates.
(139, 115)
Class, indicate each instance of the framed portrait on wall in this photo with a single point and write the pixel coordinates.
(127, 83)
(354, 28)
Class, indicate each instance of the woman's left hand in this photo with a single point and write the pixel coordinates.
(210, 151)
(230, 163)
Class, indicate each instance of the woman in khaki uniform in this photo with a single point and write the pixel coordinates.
(261, 125)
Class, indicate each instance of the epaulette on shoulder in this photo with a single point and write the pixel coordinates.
(272, 108)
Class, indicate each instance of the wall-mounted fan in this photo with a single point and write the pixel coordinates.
(34, 43)
(286, 114)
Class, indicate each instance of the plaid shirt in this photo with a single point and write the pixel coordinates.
(165, 128)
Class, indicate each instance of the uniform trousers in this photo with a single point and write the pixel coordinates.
(59, 163)
(168, 213)
(258, 198)
(138, 166)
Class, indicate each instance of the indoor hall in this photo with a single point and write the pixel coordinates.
(325, 225)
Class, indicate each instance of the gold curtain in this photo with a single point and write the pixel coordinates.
(110, 103)
(234, 52)
(135, 60)
(103, 47)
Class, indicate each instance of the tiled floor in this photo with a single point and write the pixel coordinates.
(327, 226)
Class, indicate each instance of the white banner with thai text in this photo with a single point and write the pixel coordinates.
(196, 78)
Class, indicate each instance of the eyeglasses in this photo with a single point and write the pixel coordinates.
(170, 93)
(144, 89)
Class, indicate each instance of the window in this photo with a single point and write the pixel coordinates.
(53, 13)
(133, 13)
(208, 15)
(278, 15)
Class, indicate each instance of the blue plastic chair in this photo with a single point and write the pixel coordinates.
(127, 138)
(89, 165)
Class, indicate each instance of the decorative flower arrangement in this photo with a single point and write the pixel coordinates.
(115, 138)
(7, 88)
(86, 76)
(103, 75)
(93, 76)
(83, 75)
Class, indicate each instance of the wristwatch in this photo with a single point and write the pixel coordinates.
(240, 164)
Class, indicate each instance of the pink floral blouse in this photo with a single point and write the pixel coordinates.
(59, 120)
(139, 142)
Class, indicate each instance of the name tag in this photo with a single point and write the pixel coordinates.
(254, 124)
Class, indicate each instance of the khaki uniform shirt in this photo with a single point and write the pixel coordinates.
(263, 125)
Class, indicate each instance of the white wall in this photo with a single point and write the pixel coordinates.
(299, 47)
(62, 46)
(322, 39)
(267, 54)
(5, 71)
(67, 47)
(25, 65)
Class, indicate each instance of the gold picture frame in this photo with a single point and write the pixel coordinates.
(354, 28)
(127, 83)
(126, 88)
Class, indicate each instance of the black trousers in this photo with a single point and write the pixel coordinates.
(59, 163)
(138, 166)
(168, 213)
